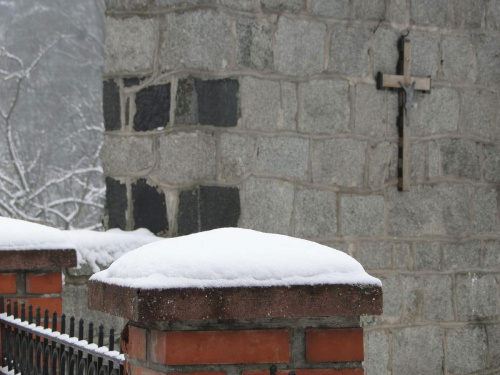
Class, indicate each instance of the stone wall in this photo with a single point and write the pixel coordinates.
(265, 115)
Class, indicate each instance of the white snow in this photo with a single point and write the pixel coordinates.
(233, 257)
(23, 235)
(100, 249)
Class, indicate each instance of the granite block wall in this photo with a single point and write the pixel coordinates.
(265, 115)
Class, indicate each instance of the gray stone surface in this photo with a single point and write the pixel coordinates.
(283, 156)
(200, 39)
(130, 45)
(385, 51)
(493, 14)
(373, 9)
(396, 11)
(459, 158)
(349, 50)
(430, 12)
(379, 159)
(418, 151)
(460, 255)
(438, 298)
(492, 253)
(375, 255)
(289, 106)
(181, 3)
(247, 5)
(412, 297)
(315, 213)
(338, 161)
(376, 353)
(371, 111)
(493, 333)
(260, 103)
(488, 48)
(254, 44)
(123, 155)
(459, 60)
(435, 113)
(299, 47)
(362, 215)
(427, 256)
(418, 350)
(478, 119)
(331, 8)
(272, 214)
(236, 153)
(392, 298)
(485, 210)
(186, 157)
(466, 350)
(135, 4)
(469, 14)
(324, 107)
(281, 5)
(476, 296)
(402, 256)
(424, 54)
(492, 163)
(434, 160)
(429, 210)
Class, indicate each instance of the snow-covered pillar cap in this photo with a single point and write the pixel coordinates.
(29, 246)
(234, 273)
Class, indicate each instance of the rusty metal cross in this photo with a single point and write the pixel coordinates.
(406, 84)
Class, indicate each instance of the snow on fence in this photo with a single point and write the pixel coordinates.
(28, 347)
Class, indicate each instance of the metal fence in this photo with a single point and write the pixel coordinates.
(30, 348)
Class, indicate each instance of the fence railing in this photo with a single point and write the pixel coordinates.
(30, 348)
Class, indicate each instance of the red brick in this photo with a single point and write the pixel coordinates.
(212, 347)
(335, 345)
(51, 303)
(136, 347)
(8, 283)
(347, 371)
(44, 283)
(137, 370)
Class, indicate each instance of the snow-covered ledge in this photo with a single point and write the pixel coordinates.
(231, 300)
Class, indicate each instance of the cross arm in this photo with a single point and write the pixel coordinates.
(394, 81)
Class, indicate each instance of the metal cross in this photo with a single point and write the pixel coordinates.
(406, 84)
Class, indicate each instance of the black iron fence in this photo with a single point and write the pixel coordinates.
(30, 348)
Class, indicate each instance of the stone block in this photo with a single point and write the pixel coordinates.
(373, 10)
(466, 350)
(199, 39)
(477, 116)
(412, 298)
(170, 3)
(236, 153)
(219, 207)
(402, 256)
(380, 156)
(438, 298)
(271, 215)
(186, 157)
(111, 105)
(324, 107)
(427, 256)
(430, 12)
(488, 49)
(116, 204)
(362, 215)
(493, 15)
(260, 104)
(283, 156)
(492, 254)
(392, 298)
(338, 161)
(458, 59)
(282, 5)
(255, 49)
(349, 51)
(130, 45)
(289, 105)
(149, 207)
(418, 151)
(247, 5)
(411, 357)
(435, 113)
(152, 105)
(429, 210)
(485, 210)
(299, 47)
(376, 353)
(396, 11)
(375, 255)
(469, 14)
(460, 255)
(476, 296)
(126, 154)
(492, 163)
(385, 51)
(188, 212)
(186, 109)
(493, 333)
(434, 159)
(134, 4)
(331, 8)
(371, 111)
(459, 158)
(315, 213)
(424, 54)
